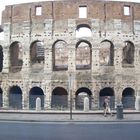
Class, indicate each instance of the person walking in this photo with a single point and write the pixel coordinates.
(106, 106)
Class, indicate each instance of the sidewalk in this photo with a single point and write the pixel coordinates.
(64, 116)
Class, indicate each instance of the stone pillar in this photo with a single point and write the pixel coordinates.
(137, 103)
(5, 99)
(25, 95)
(38, 104)
(95, 59)
(136, 57)
(48, 94)
(118, 58)
(48, 63)
(26, 57)
(86, 104)
(71, 27)
(5, 60)
(72, 57)
(5, 87)
(25, 100)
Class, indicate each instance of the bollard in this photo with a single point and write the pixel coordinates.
(38, 104)
(120, 111)
(86, 104)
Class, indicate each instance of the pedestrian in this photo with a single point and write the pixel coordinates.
(106, 106)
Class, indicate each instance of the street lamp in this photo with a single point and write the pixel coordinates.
(70, 93)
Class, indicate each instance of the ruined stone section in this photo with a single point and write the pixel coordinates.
(48, 47)
(137, 103)
(86, 104)
(38, 104)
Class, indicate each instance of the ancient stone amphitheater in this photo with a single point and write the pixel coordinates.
(65, 50)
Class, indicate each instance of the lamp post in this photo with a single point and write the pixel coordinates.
(70, 93)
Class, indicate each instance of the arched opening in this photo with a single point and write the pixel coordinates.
(107, 92)
(15, 97)
(128, 54)
(37, 55)
(36, 92)
(1, 101)
(1, 58)
(60, 55)
(106, 53)
(1, 34)
(128, 98)
(16, 56)
(81, 93)
(59, 98)
(83, 55)
(83, 30)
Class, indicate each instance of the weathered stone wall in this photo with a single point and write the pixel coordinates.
(59, 21)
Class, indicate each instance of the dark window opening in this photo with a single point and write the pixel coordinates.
(1, 98)
(1, 58)
(60, 55)
(128, 54)
(37, 56)
(83, 55)
(35, 93)
(106, 53)
(128, 98)
(59, 98)
(15, 97)
(81, 94)
(16, 57)
(107, 92)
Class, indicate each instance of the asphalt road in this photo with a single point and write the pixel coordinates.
(69, 131)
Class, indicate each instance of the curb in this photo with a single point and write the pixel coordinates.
(64, 112)
(71, 121)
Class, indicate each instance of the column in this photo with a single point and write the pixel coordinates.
(95, 59)
(48, 94)
(118, 58)
(26, 58)
(5, 60)
(5, 95)
(48, 64)
(25, 96)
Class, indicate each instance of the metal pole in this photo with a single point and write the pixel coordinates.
(70, 90)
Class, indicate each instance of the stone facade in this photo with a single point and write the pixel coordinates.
(62, 51)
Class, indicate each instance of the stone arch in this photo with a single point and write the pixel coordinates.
(60, 55)
(128, 54)
(34, 93)
(83, 54)
(106, 53)
(1, 58)
(107, 92)
(81, 93)
(83, 30)
(16, 57)
(59, 98)
(128, 98)
(37, 55)
(15, 97)
(1, 97)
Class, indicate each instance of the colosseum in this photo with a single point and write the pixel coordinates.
(63, 51)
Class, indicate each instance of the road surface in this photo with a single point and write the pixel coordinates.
(69, 130)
